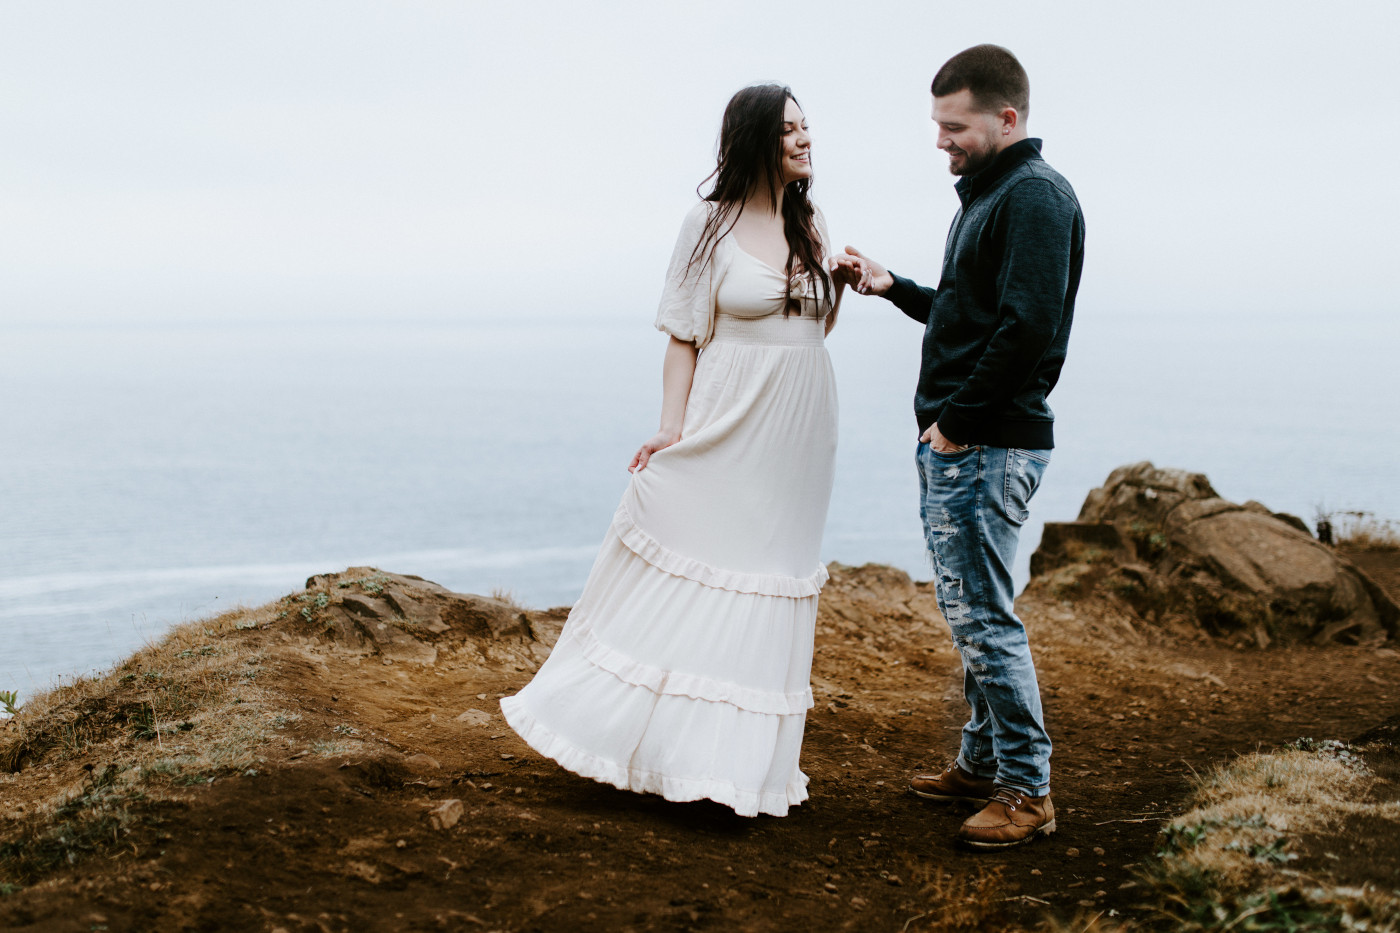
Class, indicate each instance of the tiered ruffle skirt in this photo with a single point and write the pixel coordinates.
(685, 666)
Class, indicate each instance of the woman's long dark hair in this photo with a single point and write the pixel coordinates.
(750, 155)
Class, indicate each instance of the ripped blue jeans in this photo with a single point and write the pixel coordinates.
(973, 504)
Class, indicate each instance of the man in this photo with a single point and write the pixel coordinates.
(996, 329)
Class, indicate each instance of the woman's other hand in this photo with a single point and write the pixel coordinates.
(845, 269)
(658, 441)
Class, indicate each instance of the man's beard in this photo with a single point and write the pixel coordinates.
(973, 162)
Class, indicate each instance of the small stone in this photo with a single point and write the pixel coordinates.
(894, 880)
(1098, 850)
(481, 696)
(830, 887)
(506, 757)
(1100, 894)
(1072, 852)
(475, 717)
(399, 844)
(423, 761)
(859, 903)
(446, 814)
(388, 661)
(1086, 903)
(1035, 871)
(1098, 880)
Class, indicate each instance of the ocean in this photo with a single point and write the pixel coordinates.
(156, 474)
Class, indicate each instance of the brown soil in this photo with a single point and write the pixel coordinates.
(344, 842)
(1381, 564)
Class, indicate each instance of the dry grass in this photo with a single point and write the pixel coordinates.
(958, 901)
(196, 679)
(1229, 863)
(1363, 531)
(175, 713)
(503, 595)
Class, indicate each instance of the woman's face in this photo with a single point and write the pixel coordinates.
(797, 145)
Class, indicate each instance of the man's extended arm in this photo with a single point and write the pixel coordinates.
(868, 277)
(910, 297)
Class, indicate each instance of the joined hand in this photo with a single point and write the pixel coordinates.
(861, 272)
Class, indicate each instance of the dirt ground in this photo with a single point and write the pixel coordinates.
(341, 839)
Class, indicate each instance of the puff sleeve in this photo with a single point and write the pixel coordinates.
(686, 311)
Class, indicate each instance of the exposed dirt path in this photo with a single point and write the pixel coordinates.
(343, 842)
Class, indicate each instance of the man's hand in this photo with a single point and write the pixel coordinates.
(935, 439)
(861, 272)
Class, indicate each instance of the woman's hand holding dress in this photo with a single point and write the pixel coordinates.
(676, 375)
(658, 441)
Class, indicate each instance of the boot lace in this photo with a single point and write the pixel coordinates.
(1008, 796)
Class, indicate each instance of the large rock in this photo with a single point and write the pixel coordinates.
(401, 618)
(1165, 541)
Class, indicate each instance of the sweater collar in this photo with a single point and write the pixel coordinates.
(970, 186)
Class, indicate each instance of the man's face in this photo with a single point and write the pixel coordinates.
(971, 137)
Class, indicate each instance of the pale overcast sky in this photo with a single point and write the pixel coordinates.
(340, 160)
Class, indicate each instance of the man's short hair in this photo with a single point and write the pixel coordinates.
(993, 75)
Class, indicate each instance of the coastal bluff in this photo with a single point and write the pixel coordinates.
(336, 759)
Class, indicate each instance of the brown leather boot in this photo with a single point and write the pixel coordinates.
(953, 784)
(1010, 818)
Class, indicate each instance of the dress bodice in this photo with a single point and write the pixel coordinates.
(751, 288)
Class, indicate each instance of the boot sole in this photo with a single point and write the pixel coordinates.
(1043, 830)
(950, 798)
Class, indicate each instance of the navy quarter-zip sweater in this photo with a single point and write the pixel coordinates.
(997, 327)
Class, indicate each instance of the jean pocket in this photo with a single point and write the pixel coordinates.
(1024, 470)
(952, 453)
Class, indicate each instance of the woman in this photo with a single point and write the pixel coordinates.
(684, 668)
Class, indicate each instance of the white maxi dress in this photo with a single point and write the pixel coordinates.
(684, 669)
